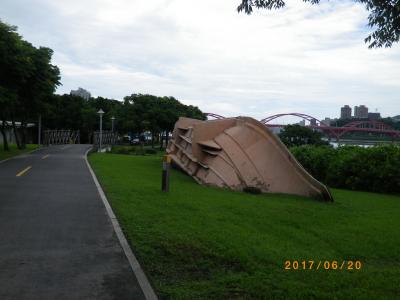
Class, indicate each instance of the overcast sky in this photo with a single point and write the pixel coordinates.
(304, 58)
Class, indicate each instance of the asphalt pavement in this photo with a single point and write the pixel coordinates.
(56, 239)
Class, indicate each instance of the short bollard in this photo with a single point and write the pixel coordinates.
(165, 173)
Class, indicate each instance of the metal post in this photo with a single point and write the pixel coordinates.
(112, 124)
(40, 130)
(165, 173)
(101, 131)
(100, 112)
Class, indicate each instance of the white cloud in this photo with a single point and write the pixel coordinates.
(302, 58)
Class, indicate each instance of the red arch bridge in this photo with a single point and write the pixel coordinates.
(369, 126)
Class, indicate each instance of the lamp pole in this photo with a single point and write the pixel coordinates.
(112, 123)
(101, 113)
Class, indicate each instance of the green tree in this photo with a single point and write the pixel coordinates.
(296, 135)
(12, 72)
(155, 114)
(384, 17)
(27, 80)
(35, 92)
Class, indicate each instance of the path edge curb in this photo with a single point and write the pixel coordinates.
(141, 277)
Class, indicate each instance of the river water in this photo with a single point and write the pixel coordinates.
(359, 143)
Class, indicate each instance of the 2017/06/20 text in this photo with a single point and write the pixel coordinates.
(347, 265)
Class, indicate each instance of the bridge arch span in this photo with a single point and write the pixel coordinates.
(215, 116)
(374, 126)
(299, 115)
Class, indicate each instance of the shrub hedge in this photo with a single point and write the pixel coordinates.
(123, 150)
(132, 150)
(375, 169)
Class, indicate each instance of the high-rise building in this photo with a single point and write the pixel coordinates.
(302, 123)
(327, 121)
(345, 112)
(374, 115)
(80, 92)
(313, 122)
(361, 112)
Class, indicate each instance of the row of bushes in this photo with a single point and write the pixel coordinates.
(131, 150)
(374, 169)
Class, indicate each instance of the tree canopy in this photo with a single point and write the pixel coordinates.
(27, 80)
(296, 135)
(384, 17)
(135, 115)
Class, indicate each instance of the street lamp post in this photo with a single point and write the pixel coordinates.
(112, 123)
(101, 113)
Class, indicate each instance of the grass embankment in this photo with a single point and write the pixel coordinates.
(197, 242)
(15, 151)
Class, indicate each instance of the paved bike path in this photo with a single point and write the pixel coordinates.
(56, 239)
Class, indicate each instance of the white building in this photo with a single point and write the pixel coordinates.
(361, 112)
(80, 92)
(327, 121)
(302, 123)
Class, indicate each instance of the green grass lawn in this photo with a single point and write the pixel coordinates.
(14, 151)
(197, 242)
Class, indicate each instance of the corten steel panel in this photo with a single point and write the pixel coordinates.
(237, 153)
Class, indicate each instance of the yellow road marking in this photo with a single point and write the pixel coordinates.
(46, 156)
(24, 171)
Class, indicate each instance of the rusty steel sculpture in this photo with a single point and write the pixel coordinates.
(60, 137)
(240, 153)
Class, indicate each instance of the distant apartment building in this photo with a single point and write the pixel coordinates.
(345, 112)
(313, 122)
(327, 121)
(374, 115)
(361, 112)
(302, 123)
(80, 92)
